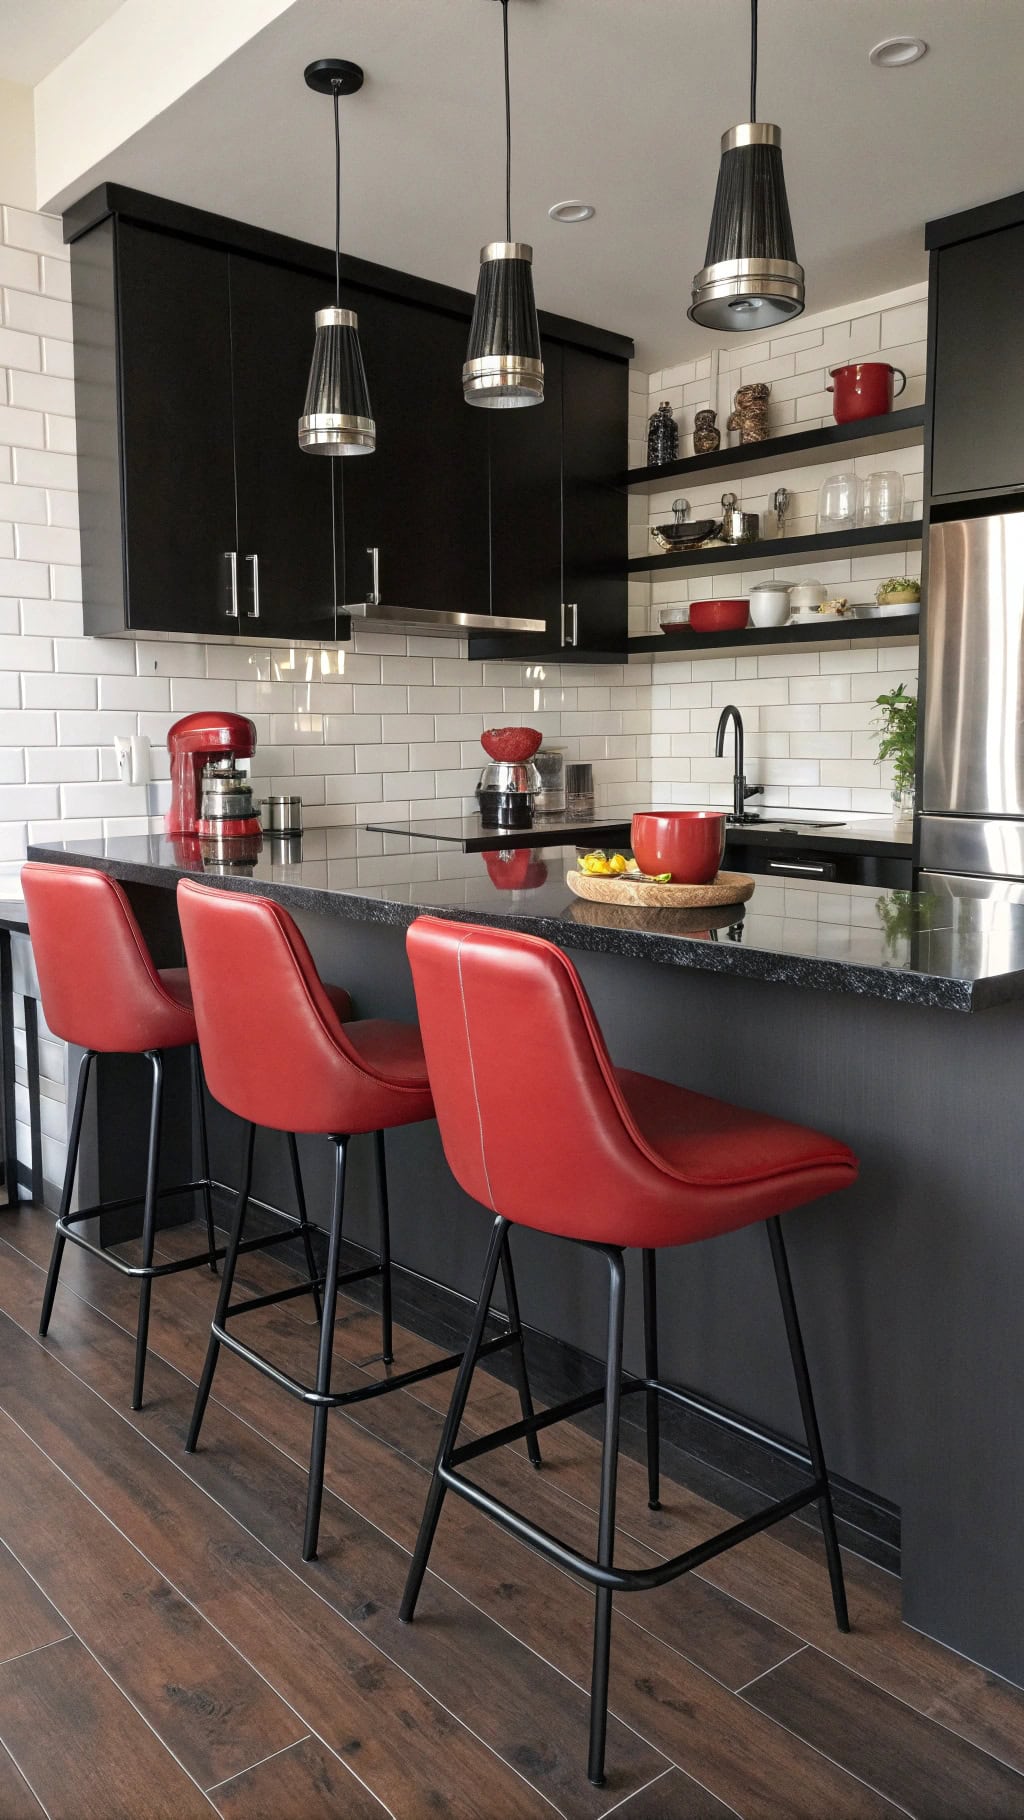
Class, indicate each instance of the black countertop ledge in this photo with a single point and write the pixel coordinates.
(949, 953)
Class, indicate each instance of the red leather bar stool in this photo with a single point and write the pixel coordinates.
(615, 1160)
(276, 1053)
(101, 991)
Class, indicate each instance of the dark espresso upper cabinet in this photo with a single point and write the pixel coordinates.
(200, 513)
(977, 281)
(285, 497)
(420, 500)
(558, 523)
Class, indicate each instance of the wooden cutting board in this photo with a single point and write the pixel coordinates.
(727, 888)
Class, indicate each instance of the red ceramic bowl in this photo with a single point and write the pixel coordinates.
(510, 745)
(688, 843)
(719, 615)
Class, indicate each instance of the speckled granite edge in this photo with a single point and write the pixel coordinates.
(896, 985)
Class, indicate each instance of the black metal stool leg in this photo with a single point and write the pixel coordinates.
(813, 1433)
(519, 1351)
(148, 1223)
(226, 1281)
(606, 1520)
(199, 1101)
(651, 1371)
(449, 1433)
(74, 1140)
(300, 1207)
(384, 1216)
(318, 1449)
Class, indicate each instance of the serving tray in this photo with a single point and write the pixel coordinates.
(727, 888)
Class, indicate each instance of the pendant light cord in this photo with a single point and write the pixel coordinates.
(753, 60)
(336, 91)
(508, 127)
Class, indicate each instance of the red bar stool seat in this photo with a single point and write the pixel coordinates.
(276, 1053)
(615, 1159)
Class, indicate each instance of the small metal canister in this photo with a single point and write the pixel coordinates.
(550, 798)
(282, 814)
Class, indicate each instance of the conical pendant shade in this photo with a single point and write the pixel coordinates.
(337, 419)
(751, 278)
(503, 367)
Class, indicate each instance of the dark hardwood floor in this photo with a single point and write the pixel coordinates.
(164, 1652)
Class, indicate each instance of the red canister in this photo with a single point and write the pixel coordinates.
(864, 389)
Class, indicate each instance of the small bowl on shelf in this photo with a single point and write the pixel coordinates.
(510, 745)
(674, 619)
(719, 615)
(676, 537)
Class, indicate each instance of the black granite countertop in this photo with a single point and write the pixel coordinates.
(953, 952)
(784, 830)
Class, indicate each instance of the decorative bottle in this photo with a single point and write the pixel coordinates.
(662, 437)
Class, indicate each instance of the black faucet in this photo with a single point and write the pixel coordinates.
(740, 792)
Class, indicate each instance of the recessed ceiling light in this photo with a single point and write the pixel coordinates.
(896, 53)
(572, 211)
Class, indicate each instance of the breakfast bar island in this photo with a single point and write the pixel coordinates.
(891, 1020)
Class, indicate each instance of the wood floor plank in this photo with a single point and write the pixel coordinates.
(27, 1619)
(407, 1746)
(210, 1708)
(780, 1576)
(920, 1765)
(307, 1782)
(667, 1701)
(17, 1802)
(83, 1747)
(675, 1797)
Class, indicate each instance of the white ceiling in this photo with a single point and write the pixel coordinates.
(36, 35)
(620, 102)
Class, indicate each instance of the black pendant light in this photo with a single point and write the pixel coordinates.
(751, 278)
(503, 368)
(337, 419)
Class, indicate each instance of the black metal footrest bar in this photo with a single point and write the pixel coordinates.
(622, 1579)
(307, 1288)
(67, 1225)
(336, 1399)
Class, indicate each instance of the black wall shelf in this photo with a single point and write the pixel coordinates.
(839, 441)
(866, 540)
(902, 630)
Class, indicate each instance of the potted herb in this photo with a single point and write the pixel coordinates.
(897, 727)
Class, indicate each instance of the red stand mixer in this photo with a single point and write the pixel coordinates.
(210, 797)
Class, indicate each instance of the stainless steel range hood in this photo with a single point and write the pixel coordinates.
(437, 622)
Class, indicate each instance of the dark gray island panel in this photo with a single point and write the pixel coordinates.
(822, 1004)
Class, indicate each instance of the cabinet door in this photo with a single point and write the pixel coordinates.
(285, 497)
(420, 500)
(177, 460)
(595, 405)
(525, 448)
(978, 380)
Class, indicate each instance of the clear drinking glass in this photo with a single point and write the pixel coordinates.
(882, 503)
(839, 502)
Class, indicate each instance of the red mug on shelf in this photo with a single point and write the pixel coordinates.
(864, 389)
(687, 843)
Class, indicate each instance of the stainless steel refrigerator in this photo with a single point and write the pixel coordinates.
(972, 799)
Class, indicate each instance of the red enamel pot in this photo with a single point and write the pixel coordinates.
(865, 388)
(686, 843)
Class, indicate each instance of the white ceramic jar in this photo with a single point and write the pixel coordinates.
(769, 603)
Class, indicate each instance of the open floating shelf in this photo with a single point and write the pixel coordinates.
(902, 631)
(772, 553)
(839, 442)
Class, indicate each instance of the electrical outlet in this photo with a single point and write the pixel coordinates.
(123, 757)
(141, 769)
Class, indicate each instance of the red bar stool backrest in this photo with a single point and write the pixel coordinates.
(531, 1116)
(274, 1050)
(97, 981)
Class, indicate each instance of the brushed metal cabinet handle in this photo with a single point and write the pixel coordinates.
(787, 865)
(575, 611)
(231, 556)
(373, 598)
(255, 613)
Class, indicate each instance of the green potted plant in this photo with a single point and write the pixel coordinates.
(897, 728)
